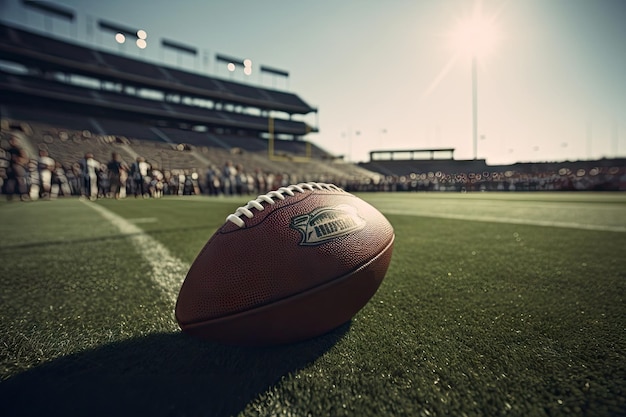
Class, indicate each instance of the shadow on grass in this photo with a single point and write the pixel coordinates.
(157, 375)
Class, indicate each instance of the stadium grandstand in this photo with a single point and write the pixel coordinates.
(70, 100)
(437, 170)
(200, 133)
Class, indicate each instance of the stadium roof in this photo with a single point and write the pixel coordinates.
(34, 49)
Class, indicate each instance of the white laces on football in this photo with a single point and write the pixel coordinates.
(271, 196)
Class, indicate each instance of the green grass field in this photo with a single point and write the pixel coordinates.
(494, 304)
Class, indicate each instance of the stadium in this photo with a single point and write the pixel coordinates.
(505, 295)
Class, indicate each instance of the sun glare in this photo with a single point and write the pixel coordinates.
(475, 36)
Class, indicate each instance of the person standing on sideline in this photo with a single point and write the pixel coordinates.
(139, 173)
(46, 166)
(60, 182)
(115, 167)
(17, 172)
(89, 173)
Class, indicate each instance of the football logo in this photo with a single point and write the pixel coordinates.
(327, 223)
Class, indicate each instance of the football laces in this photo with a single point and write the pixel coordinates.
(271, 198)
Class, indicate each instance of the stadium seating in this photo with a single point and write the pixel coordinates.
(161, 146)
(31, 47)
(51, 89)
(133, 66)
(48, 116)
(127, 129)
(40, 44)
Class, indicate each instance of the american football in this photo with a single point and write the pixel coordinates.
(288, 266)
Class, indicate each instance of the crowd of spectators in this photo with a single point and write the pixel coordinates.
(564, 179)
(29, 179)
(26, 178)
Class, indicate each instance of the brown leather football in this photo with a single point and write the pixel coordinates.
(293, 264)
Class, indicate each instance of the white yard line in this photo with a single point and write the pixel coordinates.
(508, 220)
(138, 220)
(168, 272)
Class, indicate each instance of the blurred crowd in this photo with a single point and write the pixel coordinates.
(563, 179)
(24, 178)
(30, 179)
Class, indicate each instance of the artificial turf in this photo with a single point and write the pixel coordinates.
(514, 307)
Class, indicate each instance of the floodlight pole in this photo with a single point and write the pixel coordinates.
(475, 106)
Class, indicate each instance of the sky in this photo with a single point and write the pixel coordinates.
(392, 75)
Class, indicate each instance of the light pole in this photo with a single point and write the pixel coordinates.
(348, 135)
(475, 106)
(475, 36)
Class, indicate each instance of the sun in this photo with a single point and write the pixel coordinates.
(476, 35)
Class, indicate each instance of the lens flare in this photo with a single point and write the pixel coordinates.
(476, 35)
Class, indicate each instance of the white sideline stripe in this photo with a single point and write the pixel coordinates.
(138, 220)
(508, 220)
(168, 272)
